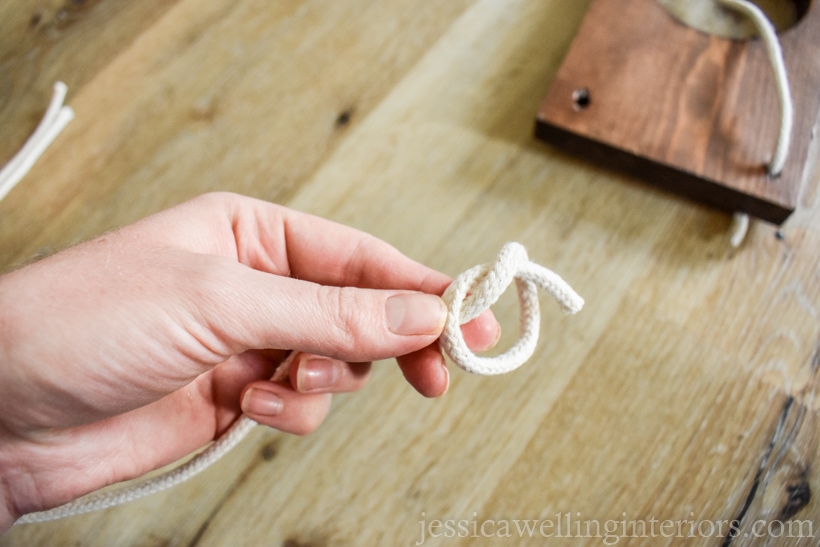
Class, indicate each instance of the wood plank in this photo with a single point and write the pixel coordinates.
(691, 113)
(663, 398)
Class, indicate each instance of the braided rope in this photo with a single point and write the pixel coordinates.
(768, 35)
(54, 121)
(104, 500)
(484, 283)
(224, 444)
(478, 288)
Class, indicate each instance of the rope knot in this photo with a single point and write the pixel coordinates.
(480, 287)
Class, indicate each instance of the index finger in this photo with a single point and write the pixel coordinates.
(276, 239)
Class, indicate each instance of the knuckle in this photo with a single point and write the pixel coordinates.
(214, 198)
(346, 312)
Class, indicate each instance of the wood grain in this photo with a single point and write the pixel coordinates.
(691, 113)
(686, 389)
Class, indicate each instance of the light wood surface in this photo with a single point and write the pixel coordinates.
(686, 390)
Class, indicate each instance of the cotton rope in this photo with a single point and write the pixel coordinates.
(478, 288)
(739, 229)
(104, 500)
(54, 121)
(768, 34)
(467, 296)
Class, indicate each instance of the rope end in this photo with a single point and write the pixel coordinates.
(740, 227)
(573, 304)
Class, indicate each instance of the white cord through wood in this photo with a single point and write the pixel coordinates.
(740, 227)
(768, 34)
(54, 121)
(484, 283)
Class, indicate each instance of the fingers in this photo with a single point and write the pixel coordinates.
(426, 369)
(317, 374)
(278, 240)
(274, 239)
(316, 300)
(302, 406)
(356, 325)
(256, 310)
(322, 251)
(278, 406)
(482, 333)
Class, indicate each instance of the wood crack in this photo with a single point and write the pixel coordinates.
(780, 488)
(734, 528)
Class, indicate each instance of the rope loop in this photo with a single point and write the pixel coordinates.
(480, 287)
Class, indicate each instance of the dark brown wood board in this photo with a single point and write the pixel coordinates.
(692, 113)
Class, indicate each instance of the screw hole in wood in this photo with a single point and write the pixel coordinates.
(581, 99)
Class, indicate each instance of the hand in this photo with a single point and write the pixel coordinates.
(129, 351)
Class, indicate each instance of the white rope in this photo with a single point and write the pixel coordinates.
(95, 502)
(485, 284)
(740, 227)
(478, 288)
(767, 32)
(54, 121)
(769, 37)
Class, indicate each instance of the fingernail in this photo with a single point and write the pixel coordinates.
(446, 377)
(415, 313)
(317, 373)
(261, 403)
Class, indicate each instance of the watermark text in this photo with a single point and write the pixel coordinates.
(609, 531)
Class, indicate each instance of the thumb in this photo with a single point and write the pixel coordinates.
(346, 323)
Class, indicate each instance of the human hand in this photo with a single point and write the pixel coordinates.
(129, 351)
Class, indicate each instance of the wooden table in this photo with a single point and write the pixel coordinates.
(685, 392)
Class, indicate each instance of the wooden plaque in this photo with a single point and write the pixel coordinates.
(692, 113)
